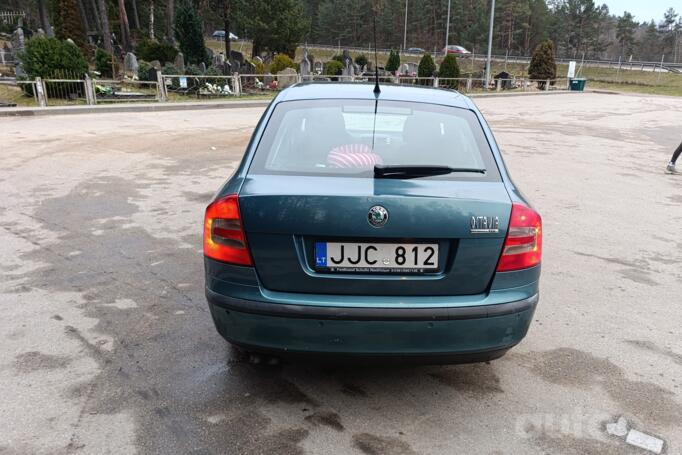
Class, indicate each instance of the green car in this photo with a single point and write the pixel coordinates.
(372, 224)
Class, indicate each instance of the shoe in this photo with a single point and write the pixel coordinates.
(670, 168)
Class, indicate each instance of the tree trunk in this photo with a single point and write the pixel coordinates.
(125, 27)
(170, 20)
(106, 31)
(136, 17)
(98, 21)
(151, 19)
(84, 15)
(45, 19)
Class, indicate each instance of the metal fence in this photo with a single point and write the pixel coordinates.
(174, 87)
(6, 58)
(605, 63)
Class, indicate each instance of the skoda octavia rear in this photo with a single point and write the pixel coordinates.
(374, 225)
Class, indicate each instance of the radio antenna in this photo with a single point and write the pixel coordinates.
(377, 90)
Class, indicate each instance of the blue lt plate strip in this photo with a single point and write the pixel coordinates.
(321, 254)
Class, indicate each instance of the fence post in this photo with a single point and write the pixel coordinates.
(40, 92)
(435, 82)
(161, 87)
(547, 85)
(498, 84)
(236, 84)
(90, 97)
(469, 84)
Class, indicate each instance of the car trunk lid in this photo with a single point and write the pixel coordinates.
(284, 216)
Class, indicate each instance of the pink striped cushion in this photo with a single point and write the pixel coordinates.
(358, 156)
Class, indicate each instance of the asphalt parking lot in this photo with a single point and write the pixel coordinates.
(108, 346)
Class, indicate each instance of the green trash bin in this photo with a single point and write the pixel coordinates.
(578, 84)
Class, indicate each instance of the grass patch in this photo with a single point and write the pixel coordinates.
(14, 94)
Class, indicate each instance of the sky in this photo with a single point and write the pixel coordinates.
(643, 10)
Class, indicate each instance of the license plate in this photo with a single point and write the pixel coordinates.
(376, 257)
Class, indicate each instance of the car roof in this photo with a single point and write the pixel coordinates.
(364, 90)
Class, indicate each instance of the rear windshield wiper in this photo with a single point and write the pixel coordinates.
(382, 171)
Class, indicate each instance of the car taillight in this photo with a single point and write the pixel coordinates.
(523, 245)
(224, 238)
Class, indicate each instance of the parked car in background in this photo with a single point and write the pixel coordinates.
(415, 50)
(373, 224)
(457, 50)
(220, 35)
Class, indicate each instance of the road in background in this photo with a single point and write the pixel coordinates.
(108, 345)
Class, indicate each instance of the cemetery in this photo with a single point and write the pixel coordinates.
(152, 70)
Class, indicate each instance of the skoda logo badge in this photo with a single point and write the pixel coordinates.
(377, 216)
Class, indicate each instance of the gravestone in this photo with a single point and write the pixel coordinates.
(247, 68)
(346, 58)
(5, 53)
(218, 60)
(348, 69)
(153, 74)
(409, 68)
(236, 56)
(18, 45)
(225, 68)
(286, 77)
(305, 65)
(179, 63)
(130, 65)
(202, 67)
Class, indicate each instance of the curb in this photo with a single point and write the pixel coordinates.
(512, 94)
(147, 107)
(163, 107)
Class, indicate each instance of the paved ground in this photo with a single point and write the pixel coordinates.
(107, 345)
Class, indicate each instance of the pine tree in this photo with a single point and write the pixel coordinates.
(393, 62)
(426, 68)
(542, 65)
(189, 33)
(449, 69)
(275, 25)
(625, 33)
(67, 21)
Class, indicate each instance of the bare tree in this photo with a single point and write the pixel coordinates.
(151, 19)
(226, 15)
(170, 20)
(125, 27)
(84, 16)
(136, 17)
(106, 31)
(45, 18)
(96, 16)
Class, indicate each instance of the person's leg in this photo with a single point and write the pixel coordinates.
(671, 165)
(676, 154)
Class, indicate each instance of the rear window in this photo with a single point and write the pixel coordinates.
(346, 138)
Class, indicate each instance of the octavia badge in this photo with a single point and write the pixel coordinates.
(377, 216)
(484, 224)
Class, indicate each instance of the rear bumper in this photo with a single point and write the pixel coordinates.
(465, 334)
